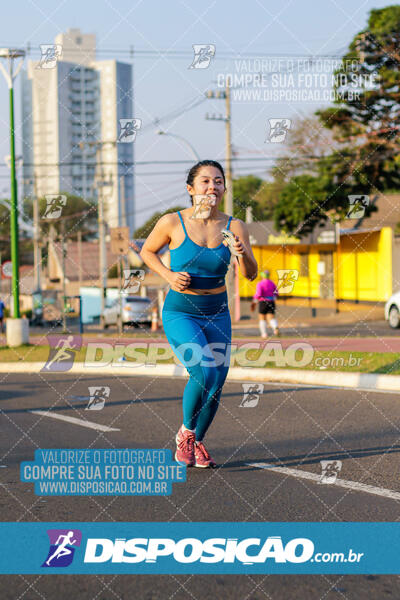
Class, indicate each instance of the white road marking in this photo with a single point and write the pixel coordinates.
(74, 420)
(329, 387)
(352, 485)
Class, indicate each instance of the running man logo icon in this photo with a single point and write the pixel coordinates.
(330, 470)
(278, 129)
(357, 206)
(128, 130)
(54, 206)
(286, 280)
(251, 394)
(63, 543)
(203, 53)
(132, 280)
(98, 397)
(202, 205)
(62, 352)
(50, 55)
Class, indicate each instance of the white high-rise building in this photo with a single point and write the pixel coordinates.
(66, 103)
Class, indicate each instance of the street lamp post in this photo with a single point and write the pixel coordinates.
(12, 54)
(182, 139)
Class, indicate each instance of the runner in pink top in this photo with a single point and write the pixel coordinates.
(266, 292)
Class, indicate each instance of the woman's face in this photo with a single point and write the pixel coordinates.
(209, 180)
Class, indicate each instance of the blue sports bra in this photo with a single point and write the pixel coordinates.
(207, 267)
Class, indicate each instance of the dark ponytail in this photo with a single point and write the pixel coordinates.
(196, 168)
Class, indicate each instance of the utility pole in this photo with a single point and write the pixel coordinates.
(79, 239)
(123, 206)
(99, 183)
(37, 258)
(102, 240)
(122, 219)
(228, 199)
(63, 254)
(228, 136)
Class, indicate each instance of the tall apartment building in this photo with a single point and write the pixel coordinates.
(79, 100)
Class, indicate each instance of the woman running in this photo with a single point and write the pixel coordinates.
(266, 292)
(195, 314)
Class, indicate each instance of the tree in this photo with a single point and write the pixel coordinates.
(298, 208)
(5, 247)
(144, 230)
(366, 119)
(307, 201)
(245, 190)
(364, 124)
(306, 144)
(4, 223)
(76, 213)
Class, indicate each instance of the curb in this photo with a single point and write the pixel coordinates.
(365, 381)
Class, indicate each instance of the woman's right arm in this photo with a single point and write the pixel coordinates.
(158, 237)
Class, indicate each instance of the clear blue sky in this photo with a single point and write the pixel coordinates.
(237, 28)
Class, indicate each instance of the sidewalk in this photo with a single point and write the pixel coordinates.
(349, 344)
(293, 315)
(359, 381)
(297, 312)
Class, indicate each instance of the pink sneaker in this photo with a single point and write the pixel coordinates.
(185, 447)
(203, 459)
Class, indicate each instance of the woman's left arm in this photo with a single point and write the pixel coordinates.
(247, 263)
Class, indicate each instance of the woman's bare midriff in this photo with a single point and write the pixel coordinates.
(217, 290)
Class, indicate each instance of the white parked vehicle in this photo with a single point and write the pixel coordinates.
(392, 310)
(136, 310)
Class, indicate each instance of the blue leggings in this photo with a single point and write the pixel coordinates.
(198, 327)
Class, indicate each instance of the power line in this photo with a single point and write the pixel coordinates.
(185, 54)
(161, 162)
(175, 113)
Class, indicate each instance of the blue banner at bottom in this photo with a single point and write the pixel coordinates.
(213, 548)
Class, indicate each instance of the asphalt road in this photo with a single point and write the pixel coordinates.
(291, 426)
(360, 329)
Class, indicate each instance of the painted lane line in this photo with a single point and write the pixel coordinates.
(352, 485)
(73, 420)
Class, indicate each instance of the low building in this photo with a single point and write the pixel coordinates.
(82, 265)
(357, 260)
